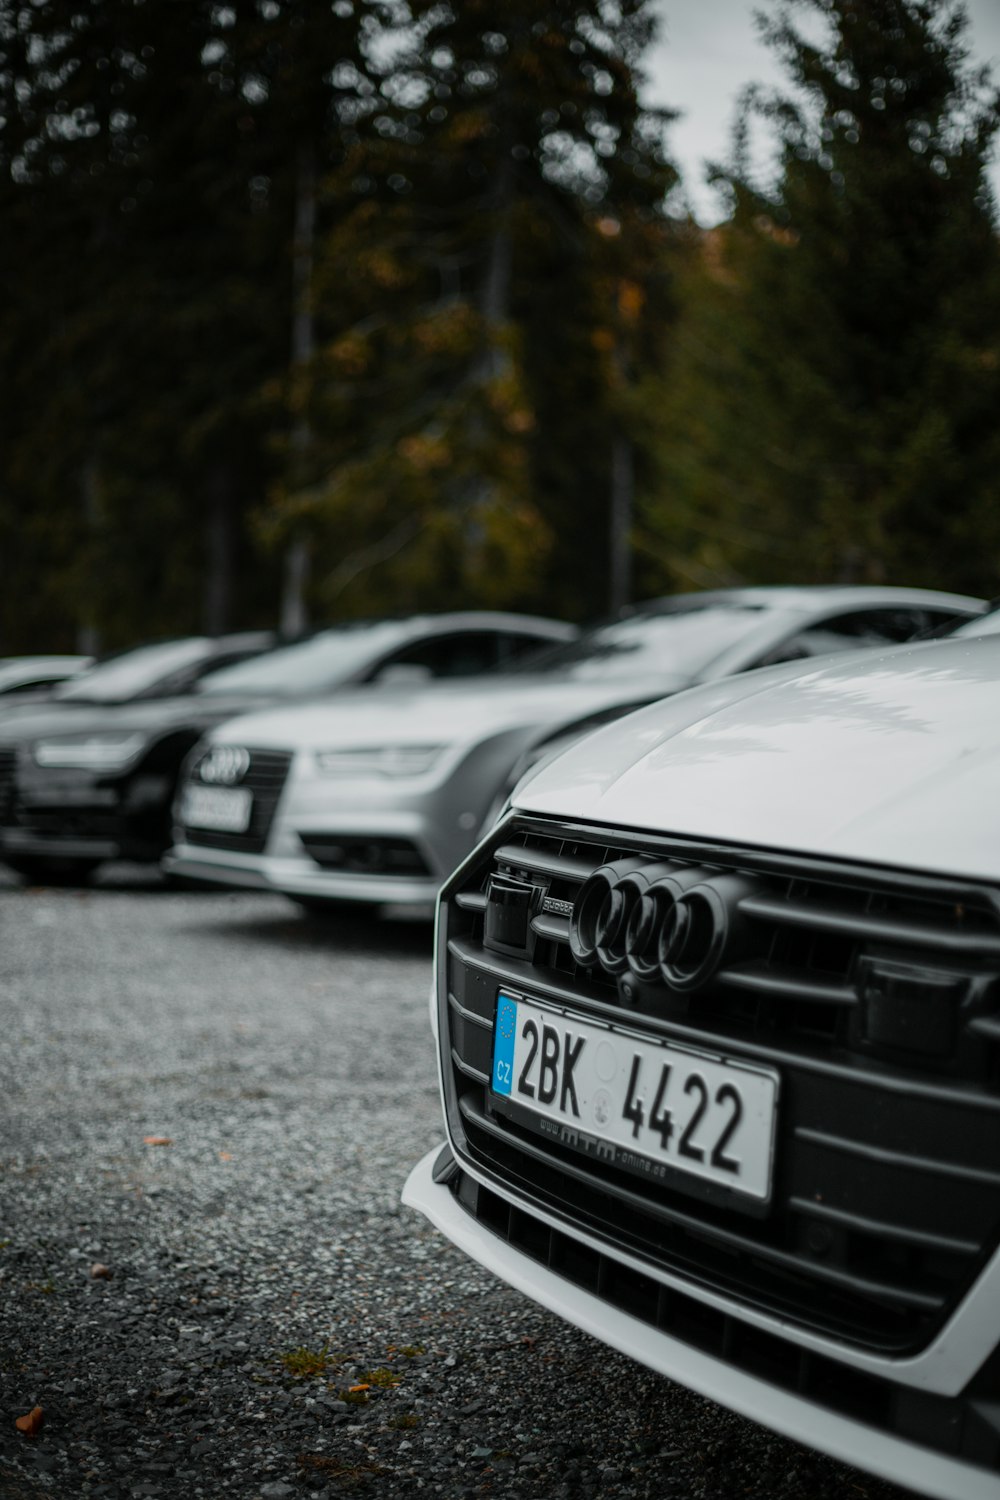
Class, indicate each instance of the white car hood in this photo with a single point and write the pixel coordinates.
(891, 759)
(446, 715)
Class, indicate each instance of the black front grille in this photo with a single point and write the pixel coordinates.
(265, 777)
(875, 997)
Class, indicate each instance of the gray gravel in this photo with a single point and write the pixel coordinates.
(192, 1317)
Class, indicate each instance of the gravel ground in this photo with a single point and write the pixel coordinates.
(247, 1310)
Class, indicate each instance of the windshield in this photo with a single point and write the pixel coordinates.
(313, 666)
(134, 672)
(988, 624)
(681, 642)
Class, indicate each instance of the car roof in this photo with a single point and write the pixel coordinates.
(807, 597)
(463, 619)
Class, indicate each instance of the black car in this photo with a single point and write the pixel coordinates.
(90, 776)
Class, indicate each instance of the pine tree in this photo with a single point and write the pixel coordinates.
(843, 342)
(149, 157)
(463, 395)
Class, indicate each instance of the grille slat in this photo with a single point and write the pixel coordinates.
(545, 862)
(470, 1072)
(926, 1238)
(470, 1015)
(790, 986)
(732, 1242)
(899, 1159)
(556, 928)
(864, 926)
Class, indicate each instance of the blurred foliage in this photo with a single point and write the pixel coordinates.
(396, 284)
(831, 409)
(287, 269)
(459, 404)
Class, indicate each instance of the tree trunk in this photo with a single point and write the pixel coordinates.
(620, 539)
(496, 286)
(88, 634)
(294, 609)
(218, 595)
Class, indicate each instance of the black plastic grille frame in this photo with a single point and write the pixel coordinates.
(887, 1173)
(265, 776)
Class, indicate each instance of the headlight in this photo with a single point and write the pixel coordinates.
(383, 760)
(89, 752)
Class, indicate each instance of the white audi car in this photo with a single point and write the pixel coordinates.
(376, 797)
(718, 1021)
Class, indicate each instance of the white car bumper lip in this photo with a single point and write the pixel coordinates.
(294, 877)
(195, 863)
(852, 1442)
(297, 877)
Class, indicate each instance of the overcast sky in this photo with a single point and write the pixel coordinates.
(709, 51)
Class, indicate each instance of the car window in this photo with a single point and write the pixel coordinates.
(32, 685)
(850, 631)
(462, 654)
(323, 661)
(516, 647)
(676, 642)
(135, 672)
(190, 676)
(988, 624)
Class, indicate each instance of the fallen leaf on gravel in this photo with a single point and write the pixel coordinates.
(157, 1140)
(99, 1271)
(30, 1424)
(353, 1388)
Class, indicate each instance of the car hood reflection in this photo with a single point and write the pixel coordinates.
(889, 753)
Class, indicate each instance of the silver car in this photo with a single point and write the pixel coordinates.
(377, 797)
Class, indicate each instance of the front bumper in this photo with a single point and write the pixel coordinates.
(83, 818)
(436, 1188)
(218, 868)
(320, 838)
(295, 877)
(867, 1287)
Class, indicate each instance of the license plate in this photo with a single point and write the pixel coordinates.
(653, 1108)
(226, 809)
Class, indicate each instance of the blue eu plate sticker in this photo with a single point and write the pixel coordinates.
(503, 1044)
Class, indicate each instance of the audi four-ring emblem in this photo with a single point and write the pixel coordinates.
(661, 922)
(224, 765)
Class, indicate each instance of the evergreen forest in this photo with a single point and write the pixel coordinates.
(324, 309)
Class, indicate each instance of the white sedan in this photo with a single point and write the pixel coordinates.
(718, 1014)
